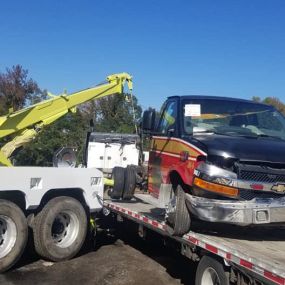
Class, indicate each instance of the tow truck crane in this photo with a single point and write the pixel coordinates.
(55, 202)
(25, 124)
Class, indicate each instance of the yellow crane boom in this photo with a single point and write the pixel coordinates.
(25, 124)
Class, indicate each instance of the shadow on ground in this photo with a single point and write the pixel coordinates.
(123, 258)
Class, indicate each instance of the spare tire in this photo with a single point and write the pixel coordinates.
(118, 175)
(130, 182)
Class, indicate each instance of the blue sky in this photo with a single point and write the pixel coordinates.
(217, 47)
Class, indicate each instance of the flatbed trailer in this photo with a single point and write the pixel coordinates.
(248, 255)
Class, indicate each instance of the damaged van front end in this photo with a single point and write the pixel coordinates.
(222, 196)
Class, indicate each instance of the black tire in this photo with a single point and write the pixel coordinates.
(118, 175)
(60, 229)
(178, 221)
(12, 219)
(130, 183)
(210, 269)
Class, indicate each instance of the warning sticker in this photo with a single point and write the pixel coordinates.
(192, 110)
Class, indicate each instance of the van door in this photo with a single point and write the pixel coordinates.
(160, 156)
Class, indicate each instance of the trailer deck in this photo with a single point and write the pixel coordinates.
(259, 250)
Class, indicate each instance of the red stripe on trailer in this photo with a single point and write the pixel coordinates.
(211, 248)
(274, 278)
(228, 256)
(146, 220)
(154, 223)
(193, 240)
(246, 264)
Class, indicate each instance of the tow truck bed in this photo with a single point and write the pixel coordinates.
(259, 251)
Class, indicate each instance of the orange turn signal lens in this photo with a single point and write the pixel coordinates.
(217, 188)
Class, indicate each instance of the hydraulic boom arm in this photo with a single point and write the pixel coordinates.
(25, 124)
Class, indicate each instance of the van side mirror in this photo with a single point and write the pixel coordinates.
(148, 122)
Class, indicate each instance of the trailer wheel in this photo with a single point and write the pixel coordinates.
(178, 219)
(130, 183)
(13, 234)
(60, 229)
(211, 272)
(118, 175)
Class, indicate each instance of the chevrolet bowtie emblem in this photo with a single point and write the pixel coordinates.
(278, 188)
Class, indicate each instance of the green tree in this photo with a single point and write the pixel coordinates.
(273, 101)
(256, 99)
(114, 113)
(276, 103)
(68, 131)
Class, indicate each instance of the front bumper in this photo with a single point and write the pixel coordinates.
(256, 211)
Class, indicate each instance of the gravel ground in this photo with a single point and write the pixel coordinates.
(128, 260)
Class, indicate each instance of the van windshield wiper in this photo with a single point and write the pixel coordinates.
(268, 136)
(230, 133)
(208, 132)
(204, 131)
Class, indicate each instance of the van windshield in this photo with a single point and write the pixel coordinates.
(232, 117)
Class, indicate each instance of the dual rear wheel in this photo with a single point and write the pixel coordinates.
(59, 231)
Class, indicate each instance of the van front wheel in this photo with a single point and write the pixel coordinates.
(178, 219)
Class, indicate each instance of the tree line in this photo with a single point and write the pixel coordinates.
(274, 101)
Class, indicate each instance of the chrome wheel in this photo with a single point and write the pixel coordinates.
(210, 277)
(8, 235)
(171, 208)
(177, 216)
(65, 229)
